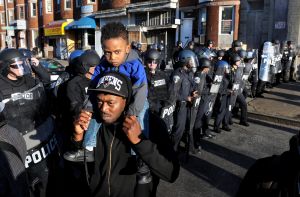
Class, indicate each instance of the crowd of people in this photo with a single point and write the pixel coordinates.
(112, 125)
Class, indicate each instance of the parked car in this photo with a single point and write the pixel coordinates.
(54, 67)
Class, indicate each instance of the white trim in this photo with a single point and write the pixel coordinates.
(31, 9)
(2, 19)
(46, 6)
(90, 2)
(19, 11)
(65, 6)
(220, 20)
(13, 14)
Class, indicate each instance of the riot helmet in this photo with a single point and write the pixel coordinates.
(209, 42)
(139, 46)
(160, 47)
(204, 63)
(191, 45)
(235, 58)
(206, 53)
(179, 44)
(188, 58)
(220, 53)
(88, 59)
(75, 54)
(13, 61)
(222, 65)
(236, 44)
(154, 46)
(26, 53)
(250, 55)
(277, 42)
(152, 59)
(242, 53)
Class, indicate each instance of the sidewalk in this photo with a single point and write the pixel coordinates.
(280, 105)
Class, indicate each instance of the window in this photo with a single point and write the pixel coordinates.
(91, 1)
(1, 2)
(49, 6)
(21, 12)
(11, 16)
(2, 18)
(226, 20)
(33, 9)
(34, 37)
(202, 21)
(78, 3)
(67, 4)
(10, 1)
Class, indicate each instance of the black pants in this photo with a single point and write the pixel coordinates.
(180, 117)
(223, 110)
(260, 87)
(243, 106)
(286, 68)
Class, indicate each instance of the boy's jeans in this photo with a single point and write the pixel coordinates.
(90, 136)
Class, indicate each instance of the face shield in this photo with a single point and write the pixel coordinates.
(20, 66)
(193, 63)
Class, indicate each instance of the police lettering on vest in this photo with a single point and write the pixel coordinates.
(37, 155)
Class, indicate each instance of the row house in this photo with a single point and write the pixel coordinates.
(72, 27)
(216, 20)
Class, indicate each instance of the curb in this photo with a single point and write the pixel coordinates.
(275, 119)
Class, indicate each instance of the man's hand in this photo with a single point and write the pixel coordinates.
(34, 61)
(81, 124)
(132, 129)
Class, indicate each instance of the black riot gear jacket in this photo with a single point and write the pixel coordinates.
(157, 90)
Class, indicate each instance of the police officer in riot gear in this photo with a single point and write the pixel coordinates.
(183, 92)
(220, 54)
(26, 108)
(191, 45)
(175, 54)
(157, 82)
(222, 101)
(288, 56)
(201, 126)
(235, 47)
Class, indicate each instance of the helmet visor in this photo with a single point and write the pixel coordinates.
(20, 65)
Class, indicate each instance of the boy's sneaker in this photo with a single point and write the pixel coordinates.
(80, 155)
(143, 173)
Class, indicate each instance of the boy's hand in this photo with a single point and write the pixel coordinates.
(34, 61)
(81, 124)
(132, 129)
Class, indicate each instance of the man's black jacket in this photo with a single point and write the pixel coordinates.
(114, 172)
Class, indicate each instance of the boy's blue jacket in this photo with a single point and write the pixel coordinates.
(133, 69)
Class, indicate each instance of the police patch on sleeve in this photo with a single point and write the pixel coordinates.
(197, 79)
(176, 79)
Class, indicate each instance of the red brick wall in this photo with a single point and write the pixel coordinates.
(212, 23)
(32, 22)
(66, 13)
(115, 4)
(47, 17)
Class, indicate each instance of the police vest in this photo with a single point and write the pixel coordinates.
(25, 109)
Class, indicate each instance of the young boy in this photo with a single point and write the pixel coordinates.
(118, 57)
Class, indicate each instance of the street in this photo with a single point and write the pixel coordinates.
(219, 169)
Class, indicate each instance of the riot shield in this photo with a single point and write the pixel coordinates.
(167, 116)
(277, 59)
(266, 61)
(246, 73)
(237, 86)
(199, 81)
(214, 89)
